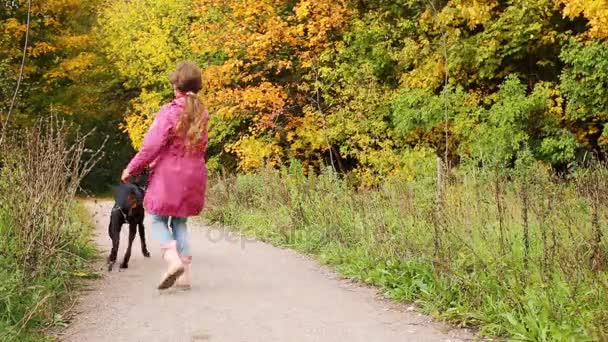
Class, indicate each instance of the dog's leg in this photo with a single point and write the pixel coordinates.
(112, 256)
(142, 238)
(114, 232)
(132, 232)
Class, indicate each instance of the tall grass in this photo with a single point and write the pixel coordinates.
(516, 253)
(44, 236)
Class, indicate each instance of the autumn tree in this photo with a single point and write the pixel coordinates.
(65, 74)
(261, 83)
(143, 40)
(371, 87)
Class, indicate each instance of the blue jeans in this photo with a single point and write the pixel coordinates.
(166, 229)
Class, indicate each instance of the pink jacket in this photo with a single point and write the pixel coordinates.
(177, 183)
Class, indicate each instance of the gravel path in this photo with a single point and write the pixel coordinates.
(243, 291)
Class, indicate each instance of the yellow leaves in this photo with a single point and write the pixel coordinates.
(264, 98)
(307, 136)
(59, 45)
(596, 11)
(60, 7)
(469, 12)
(556, 103)
(254, 153)
(260, 100)
(428, 75)
(144, 39)
(250, 27)
(302, 11)
(473, 98)
(475, 12)
(380, 164)
(12, 27)
(426, 16)
(73, 68)
(257, 29)
(220, 76)
(41, 48)
(138, 121)
(284, 65)
(318, 18)
(77, 41)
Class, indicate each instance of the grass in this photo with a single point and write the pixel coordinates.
(44, 231)
(518, 254)
(33, 304)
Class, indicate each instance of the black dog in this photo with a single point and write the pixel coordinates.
(128, 208)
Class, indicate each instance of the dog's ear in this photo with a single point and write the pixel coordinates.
(131, 200)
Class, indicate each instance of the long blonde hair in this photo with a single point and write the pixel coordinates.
(192, 123)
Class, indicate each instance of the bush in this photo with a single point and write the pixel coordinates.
(44, 235)
(517, 253)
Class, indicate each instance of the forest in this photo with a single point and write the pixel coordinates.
(370, 86)
(443, 116)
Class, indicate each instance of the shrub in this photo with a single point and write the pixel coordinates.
(43, 234)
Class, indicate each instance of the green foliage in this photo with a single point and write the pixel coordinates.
(584, 78)
(517, 121)
(518, 37)
(6, 85)
(584, 83)
(65, 75)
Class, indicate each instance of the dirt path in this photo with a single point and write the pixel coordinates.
(243, 291)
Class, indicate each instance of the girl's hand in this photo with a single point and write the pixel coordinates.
(125, 176)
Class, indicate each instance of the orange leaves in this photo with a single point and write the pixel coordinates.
(241, 28)
(255, 102)
(266, 97)
(268, 46)
(259, 31)
(317, 20)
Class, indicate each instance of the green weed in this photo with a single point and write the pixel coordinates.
(519, 254)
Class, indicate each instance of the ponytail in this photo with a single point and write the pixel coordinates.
(192, 122)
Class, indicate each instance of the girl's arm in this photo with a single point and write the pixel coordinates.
(154, 141)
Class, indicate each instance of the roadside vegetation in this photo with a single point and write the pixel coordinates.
(519, 255)
(45, 232)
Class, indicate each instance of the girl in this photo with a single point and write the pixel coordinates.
(175, 147)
